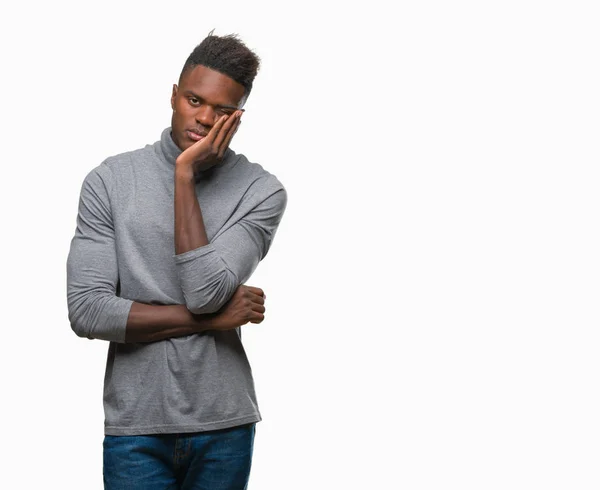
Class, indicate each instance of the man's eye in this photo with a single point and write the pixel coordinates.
(193, 100)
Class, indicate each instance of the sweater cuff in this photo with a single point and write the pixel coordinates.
(116, 328)
(206, 281)
(190, 255)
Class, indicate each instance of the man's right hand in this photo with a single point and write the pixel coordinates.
(246, 305)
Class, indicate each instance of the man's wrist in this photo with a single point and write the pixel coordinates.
(201, 323)
(184, 171)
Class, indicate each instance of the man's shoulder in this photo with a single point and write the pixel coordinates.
(255, 175)
(117, 162)
(261, 190)
(116, 167)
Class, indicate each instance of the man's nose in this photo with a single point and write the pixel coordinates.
(205, 115)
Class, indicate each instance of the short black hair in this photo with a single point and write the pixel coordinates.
(227, 55)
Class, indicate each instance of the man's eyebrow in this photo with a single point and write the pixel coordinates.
(220, 106)
(232, 107)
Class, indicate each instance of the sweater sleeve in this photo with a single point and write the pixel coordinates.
(209, 275)
(95, 310)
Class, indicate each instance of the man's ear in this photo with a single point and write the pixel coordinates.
(173, 95)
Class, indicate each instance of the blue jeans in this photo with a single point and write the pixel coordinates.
(212, 460)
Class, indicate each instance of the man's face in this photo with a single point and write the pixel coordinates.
(203, 96)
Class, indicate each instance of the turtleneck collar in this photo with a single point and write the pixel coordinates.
(169, 152)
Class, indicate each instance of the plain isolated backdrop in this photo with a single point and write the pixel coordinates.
(432, 316)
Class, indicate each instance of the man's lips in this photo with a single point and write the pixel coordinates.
(195, 135)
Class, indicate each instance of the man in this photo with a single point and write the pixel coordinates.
(166, 237)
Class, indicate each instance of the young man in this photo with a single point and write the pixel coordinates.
(166, 237)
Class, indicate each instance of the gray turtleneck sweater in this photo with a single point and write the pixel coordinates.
(123, 251)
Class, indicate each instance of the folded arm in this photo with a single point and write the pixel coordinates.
(210, 272)
(95, 310)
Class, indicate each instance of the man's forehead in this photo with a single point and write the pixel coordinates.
(201, 78)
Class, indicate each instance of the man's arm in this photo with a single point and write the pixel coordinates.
(190, 232)
(149, 323)
(95, 310)
(210, 272)
(189, 224)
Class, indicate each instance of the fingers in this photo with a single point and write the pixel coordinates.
(230, 133)
(226, 133)
(213, 134)
(217, 140)
(257, 317)
(254, 290)
(254, 298)
(258, 308)
(257, 313)
(257, 303)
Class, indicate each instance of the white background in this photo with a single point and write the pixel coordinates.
(433, 288)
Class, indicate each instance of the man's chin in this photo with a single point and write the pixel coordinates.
(181, 142)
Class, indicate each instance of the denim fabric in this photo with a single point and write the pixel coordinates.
(212, 460)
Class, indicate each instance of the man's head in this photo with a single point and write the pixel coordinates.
(216, 80)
